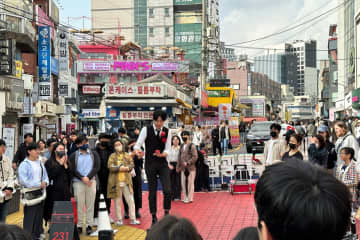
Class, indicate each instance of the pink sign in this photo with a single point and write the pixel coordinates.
(164, 66)
(43, 20)
(131, 66)
(88, 89)
(96, 66)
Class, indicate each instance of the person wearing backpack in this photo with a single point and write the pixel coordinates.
(187, 166)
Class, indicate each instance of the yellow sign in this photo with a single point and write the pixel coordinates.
(18, 69)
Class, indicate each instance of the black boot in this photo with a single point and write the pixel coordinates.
(166, 212)
(126, 215)
(137, 214)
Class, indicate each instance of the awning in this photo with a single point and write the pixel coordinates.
(184, 103)
(141, 102)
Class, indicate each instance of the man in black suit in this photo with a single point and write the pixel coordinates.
(157, 141)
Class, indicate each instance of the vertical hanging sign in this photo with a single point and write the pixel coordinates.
(63, 51)
(44, 62)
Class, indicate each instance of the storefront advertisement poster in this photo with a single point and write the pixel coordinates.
(8, 135)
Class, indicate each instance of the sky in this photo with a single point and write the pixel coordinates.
(251, 19)
(257, 18)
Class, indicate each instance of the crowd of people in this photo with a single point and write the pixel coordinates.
(66, 167)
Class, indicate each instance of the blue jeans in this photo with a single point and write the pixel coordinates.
(3, 211)
(224, 145)
(242, 137)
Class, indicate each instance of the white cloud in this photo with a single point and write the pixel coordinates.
(241, 22)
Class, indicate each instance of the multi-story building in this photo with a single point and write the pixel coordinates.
(324, 88)
(306, 65)
(162, 27)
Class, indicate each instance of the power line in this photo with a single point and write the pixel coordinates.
(292, 28)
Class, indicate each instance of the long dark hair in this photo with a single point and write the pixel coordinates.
(52, 158)
(321, 140)
(172, 139)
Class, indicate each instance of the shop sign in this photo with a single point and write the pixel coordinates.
(44, 54)
(136, 115)
(63, 89)
(28, 128)
(348, 100)
(135, 91)
(96, 66)
(186, 2)
(27, 107)
(339, 105)
(224, 111)
(7, 55)
(89, 89)
(44, 91)
(8, 134)
(70, 101)
(164, 66)
(84, 66)
(18, 69)
(63, 51)
(356, 98)
(91, 113)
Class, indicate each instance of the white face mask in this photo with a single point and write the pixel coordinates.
(119, 148)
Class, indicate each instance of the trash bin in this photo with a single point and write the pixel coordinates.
(14, 203)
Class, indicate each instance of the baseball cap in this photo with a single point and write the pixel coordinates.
(323, 128)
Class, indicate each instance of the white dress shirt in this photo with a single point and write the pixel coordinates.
(143, 136)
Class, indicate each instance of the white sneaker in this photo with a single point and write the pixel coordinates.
(186, 201)
(111, 220)
(119, 223)
(95, 223)
(42, 236)
(135, 222)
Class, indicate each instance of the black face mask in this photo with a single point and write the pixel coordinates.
(292, 146)
(105, 144)
(60, 153)
(273, 134)
(184, 139)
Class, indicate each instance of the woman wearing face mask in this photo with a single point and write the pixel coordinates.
(172, 159)
(318, 152)
(294, 145)
(120, 165)
(60, 175)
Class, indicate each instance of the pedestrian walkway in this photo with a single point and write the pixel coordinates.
(216, 215)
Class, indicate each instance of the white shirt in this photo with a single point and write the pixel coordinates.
(197, 138)
(173, 154)
(270, 151)
(143, 136)
(35, 165)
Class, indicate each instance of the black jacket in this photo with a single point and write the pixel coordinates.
(318, 156)
(20, 154)
(332, 156)
(215, 135)
(93, 172)
(104, 155)
(71, 149)
(59, 186)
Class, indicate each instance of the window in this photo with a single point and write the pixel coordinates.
(167, 31)
(151, 31)
(151, 12)
(167, 12)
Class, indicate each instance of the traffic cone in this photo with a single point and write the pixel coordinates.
(104, 220)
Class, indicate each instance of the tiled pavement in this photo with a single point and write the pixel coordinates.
(216, 215)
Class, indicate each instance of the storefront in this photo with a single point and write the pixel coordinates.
(91, 121)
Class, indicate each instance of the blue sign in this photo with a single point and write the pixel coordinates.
(44, 54)
(54, 66)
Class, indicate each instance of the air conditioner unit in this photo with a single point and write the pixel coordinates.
(120, 58)
(109, 57)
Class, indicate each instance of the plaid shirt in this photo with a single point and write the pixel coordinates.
(350, 177)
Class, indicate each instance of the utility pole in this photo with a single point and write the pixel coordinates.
(204, 52)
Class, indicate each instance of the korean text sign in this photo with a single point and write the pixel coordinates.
(44, 54)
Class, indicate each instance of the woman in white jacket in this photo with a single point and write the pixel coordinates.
(345, 139)
(7, 176)
(198, 137)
